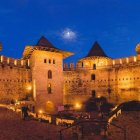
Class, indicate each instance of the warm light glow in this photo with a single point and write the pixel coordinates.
(114, 108)
(98, 96)
(8, 60)
(40, 111)
(78, 106)
(17, 102)
(86, 63)
(120, 61)
(135, 59)
(113, 62)
(1, 58)
(101, 62)
(15, 62)
(29, 87)
(49, 85)
(127, 60)
(34, 89)
(22, 62)
(49, 102)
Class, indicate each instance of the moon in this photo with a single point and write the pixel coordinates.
(69, 34)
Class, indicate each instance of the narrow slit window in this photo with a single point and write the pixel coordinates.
(93, 77)
(45, 60)
(49, 74)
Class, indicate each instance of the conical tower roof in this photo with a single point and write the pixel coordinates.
(45, 43)
(96, 50)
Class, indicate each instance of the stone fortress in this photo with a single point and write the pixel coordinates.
(41, 76)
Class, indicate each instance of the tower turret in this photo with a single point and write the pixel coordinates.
(46, 62)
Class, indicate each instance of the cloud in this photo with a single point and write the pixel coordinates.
(68, 34)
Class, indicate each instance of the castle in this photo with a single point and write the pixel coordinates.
(40, 75)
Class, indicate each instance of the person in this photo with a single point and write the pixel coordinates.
(24, 111)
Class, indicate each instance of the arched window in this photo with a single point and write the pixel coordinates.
(49, 89)
(49, 74)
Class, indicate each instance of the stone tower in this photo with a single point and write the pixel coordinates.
(46, 62)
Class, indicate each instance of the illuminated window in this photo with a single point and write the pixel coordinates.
(93, 77)
(45, 60)
(49, 89)
(94, 66)
(49, 74)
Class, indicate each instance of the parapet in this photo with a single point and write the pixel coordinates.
(69, 66)
(131, 60)
(126, 60)
(4, 61)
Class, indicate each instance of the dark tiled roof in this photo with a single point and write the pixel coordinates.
(45, 43)
(96, 50)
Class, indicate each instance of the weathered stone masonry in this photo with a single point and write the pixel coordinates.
(40, 75)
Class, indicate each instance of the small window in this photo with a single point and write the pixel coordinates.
(82, 64)
(53, 61)
(49, 61)
(93, 92)
(49, 89)
(94, 66)
(45, 60)
(93, 77)
(49, 74)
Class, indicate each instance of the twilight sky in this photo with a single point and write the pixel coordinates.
(71, 25)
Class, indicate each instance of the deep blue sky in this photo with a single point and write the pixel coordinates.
(115, 24)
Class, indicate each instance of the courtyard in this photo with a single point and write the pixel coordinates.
(12, 127)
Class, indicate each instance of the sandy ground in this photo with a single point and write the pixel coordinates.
(12, 127)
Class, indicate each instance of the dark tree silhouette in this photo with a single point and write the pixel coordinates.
(98, 104)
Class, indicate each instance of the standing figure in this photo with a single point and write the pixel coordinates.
(24, 111)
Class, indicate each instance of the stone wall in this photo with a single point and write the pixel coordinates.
(15, 80)
(118, 82)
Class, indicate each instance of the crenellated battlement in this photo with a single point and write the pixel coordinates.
(126, 60)
(110, 63)
(69, 66)
(4, 61)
